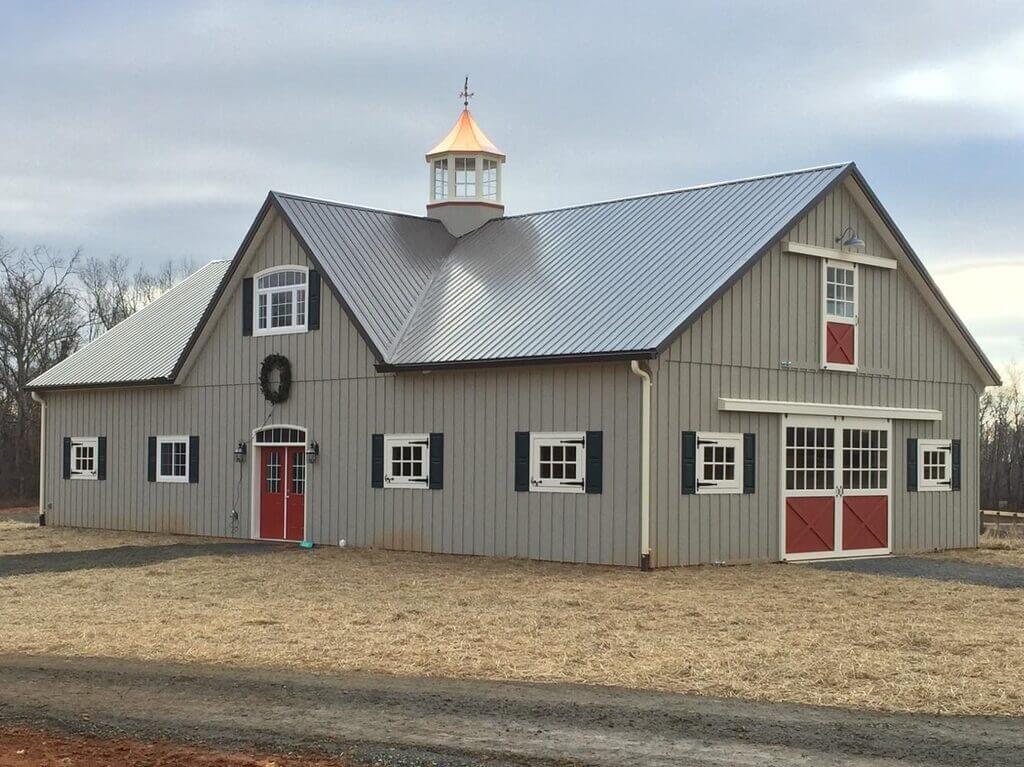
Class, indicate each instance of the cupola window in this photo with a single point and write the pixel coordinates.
(441, 179)
(465, 177)
(490, 179)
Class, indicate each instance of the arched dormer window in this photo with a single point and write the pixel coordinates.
(281, 299)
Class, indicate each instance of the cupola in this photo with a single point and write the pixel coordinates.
(465, 175)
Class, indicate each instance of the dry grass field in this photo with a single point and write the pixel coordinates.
(772, 632)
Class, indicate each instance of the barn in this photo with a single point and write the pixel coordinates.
(759, 369)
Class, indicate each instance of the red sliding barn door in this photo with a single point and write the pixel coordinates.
(835, 487)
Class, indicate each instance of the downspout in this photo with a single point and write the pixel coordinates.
(42, 458)
(645, 466)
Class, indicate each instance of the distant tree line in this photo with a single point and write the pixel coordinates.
(1002, 445)
(50, 304)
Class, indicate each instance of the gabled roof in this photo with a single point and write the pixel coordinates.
(378, 262)
(145, 347)
(609, 280)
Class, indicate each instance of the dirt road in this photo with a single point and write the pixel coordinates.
(414, 721)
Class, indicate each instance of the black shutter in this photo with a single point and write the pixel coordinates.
(749, 462)
(912, 465)
(595, 470)
(151, 460)
(522, 461)
(955, 471)
(377, 460)
(101, 458)
(313, 305)
(689, 467)
(247, 306)
(67, 458)
(436, 461)
(193, 460)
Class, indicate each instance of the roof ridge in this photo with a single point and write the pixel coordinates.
(695, 187)
(352, 206)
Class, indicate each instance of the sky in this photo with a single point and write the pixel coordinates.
(154, 130)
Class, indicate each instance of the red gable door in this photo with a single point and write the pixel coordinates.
(840, 339)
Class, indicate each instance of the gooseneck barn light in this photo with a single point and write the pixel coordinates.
(853, 241)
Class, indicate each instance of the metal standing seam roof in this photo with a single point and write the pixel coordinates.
(378, 262)
(599, 279)
(145, 347)
(610, 279)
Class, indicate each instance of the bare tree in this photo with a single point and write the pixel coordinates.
(1002, 444)
(110, 294)
(40, 325)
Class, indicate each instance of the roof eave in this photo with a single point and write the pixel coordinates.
(161, 381)
(552, 359)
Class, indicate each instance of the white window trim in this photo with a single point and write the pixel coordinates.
(538, 485)
(256, 292)
(415, 483)
(827, 318)
(92, 442)
(160, 442)
(720, 487)
(934, 486)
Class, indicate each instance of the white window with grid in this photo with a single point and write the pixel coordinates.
(465, 177)
(280, 304)
(810, 458)
(83, 457)
(865, 459)
(441, 179)
(719, 463)
(558, 462)
(172, 459)
(840, 291)
(406, 460)
(934, 464)
(489, 179)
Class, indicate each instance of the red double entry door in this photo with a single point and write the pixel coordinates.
(836, 478)
(283, 493)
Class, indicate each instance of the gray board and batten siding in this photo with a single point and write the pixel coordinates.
(341, 400)
(735, 349)
(341, 396)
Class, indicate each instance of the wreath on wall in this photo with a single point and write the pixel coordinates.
(279, 364)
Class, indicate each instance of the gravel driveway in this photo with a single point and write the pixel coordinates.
(404, 721)
(999, 576)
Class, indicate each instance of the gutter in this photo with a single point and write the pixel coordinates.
(42, 457)
(645, 465)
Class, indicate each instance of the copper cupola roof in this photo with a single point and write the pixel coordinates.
(466, 136)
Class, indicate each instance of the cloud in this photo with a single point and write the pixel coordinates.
(990, 79)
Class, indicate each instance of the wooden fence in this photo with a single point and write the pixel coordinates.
(1002, 522)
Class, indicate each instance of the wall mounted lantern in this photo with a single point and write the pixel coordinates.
(240, 451)
(853, 241)
(312, 452)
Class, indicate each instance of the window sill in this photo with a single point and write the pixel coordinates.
(279, 331)
(90, 477)
(172, 480)
(555, 489)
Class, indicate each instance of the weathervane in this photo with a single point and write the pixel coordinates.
(465, 95)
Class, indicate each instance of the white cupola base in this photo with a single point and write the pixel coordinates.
(461, 218)
(465, 177)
